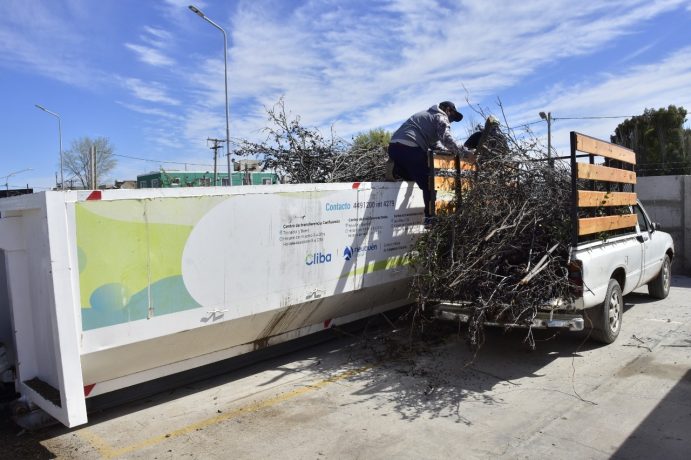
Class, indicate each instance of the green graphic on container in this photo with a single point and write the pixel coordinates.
(130, 259)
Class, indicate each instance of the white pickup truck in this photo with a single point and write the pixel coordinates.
(611, 255)
(602, 273)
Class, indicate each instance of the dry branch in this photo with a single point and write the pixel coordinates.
(504, 251)
(299, 154)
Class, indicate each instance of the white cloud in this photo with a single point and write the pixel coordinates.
(156, 42)
(40, 39)
(160, 113)
(151, 91)
(154, 33)
(150, 55)
(335, 64)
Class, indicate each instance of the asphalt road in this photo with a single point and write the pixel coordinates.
(382, 394)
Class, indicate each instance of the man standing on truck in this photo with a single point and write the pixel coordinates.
(419, 133)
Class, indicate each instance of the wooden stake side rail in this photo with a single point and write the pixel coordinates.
(590, 199)
(616, 176)
(447, 161)
(444, 161)
(605, 174)
(594, 146)
(591, 225)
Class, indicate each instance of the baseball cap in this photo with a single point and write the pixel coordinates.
(455, 114)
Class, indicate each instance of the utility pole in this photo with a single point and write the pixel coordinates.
(548, 117)
(92, 167)
(215, 148)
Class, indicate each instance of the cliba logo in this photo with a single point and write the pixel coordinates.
(317, 258)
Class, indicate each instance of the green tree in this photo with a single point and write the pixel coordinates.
(659, 139)
(77, 159)
(374, 138)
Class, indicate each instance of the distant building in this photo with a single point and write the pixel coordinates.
(165, 179)
(15, 192)
(125, 184)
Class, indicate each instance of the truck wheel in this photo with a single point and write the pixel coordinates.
(659, 286)
(605, 319)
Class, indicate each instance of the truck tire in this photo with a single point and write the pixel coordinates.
(659, 286)
(605, 319)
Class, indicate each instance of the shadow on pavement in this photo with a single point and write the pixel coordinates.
(429, 376)
(666, 431)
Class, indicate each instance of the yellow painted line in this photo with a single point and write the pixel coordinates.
(107, 451)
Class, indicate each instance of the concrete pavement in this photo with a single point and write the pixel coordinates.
(383, 395)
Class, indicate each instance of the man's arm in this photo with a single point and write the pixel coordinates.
(444, 135)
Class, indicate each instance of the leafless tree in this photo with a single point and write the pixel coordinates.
(299, 154)
(77, 159)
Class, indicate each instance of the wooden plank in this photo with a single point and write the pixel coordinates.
(589, 144)
(465, 166)
(590, 225)
(445, 183)
(444, 161)
(443, 207)
(588, 198)
(605, 173)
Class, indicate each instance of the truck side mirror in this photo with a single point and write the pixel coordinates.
(656, 226)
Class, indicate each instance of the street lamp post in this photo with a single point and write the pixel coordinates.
(548, 118)
(7, 177)
(199, 13)
(62, 180)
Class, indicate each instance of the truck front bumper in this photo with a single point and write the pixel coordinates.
(543, 320)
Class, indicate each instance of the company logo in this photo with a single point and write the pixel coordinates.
(317, 258)
(337, 206)
(349, 252)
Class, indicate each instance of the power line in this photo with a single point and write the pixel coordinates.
(577, 118)
(160, 161)
(593, 118)
(532, 123)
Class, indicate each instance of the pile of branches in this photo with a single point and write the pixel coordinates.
(301, 155)
(503, 249)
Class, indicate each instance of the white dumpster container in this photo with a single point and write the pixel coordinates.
(107, 289)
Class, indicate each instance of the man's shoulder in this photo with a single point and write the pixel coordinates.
(441, 118)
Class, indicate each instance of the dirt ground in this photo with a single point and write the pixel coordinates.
(15, 441)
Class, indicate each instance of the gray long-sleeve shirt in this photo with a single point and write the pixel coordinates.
(424, 129)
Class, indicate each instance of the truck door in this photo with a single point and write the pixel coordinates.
(654, 249)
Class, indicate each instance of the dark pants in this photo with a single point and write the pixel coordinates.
(410, 163)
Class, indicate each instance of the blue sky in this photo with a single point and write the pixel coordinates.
(149, 74)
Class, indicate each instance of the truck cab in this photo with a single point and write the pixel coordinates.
(614, 267)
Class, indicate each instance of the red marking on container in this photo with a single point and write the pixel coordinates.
(356, 185)
(88, 389)
(93, 196)
(327, 323)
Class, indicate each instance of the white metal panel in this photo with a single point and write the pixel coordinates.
(248, 254)
(64, 314)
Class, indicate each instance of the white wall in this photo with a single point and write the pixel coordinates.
(668, 202)
(5, 326)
